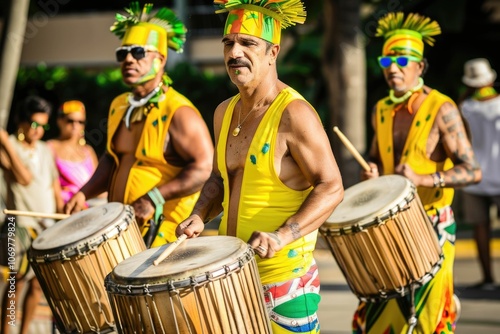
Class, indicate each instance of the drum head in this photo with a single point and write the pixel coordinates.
(367, 200)
(191, 258)
(89, 226)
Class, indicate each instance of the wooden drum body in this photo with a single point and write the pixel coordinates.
(207, 285)
(382, 238)
(72, 258)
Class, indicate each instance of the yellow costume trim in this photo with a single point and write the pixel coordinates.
(415, 148)
(265, 202)
(150, 169)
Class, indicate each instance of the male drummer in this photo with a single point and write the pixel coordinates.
(419, 133)
(159, 149)
(266, 174)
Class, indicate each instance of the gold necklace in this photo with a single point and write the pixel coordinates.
(237, 129)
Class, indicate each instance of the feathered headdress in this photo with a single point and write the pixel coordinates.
(407, 35)
(261, 18)
(142, 28)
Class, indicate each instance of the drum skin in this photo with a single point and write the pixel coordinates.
(207, 285)
(72, 258)
(382, 238)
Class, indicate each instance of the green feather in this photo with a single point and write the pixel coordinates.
(421, 24)
(164, 17)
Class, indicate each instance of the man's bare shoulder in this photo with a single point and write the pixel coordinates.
(300, 113)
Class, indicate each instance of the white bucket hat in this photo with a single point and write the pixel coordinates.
(478, 73)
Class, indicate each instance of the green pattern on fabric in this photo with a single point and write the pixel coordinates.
(253, 159)
(452, 229)
(428, 118)
(417, 124)
(292, 253)
(300, 307)
(164, 118)
(155, 122)
(143, 151)
(265, 148)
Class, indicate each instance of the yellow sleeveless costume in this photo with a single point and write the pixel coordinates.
(265, 202)
(433, 301)
(150, 169)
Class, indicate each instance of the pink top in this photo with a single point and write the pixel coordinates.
(73, 175)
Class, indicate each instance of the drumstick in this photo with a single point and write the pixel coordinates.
(169, 249)
(352, 149)
(36, 214)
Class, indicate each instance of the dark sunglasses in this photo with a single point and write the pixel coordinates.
(73, 121)
(401, 61)
(138, 52)
(35, 125)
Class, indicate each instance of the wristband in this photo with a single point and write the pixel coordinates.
(442, 184)
(158, 201)
(435, 179)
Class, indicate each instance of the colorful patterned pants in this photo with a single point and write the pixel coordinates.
(292, 305)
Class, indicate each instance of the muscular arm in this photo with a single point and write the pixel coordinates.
(310, 148)
(209, 203)
(99, 181)
(191, 140)
(457, 147)
(9, 160)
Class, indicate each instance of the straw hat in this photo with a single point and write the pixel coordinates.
(478, 73)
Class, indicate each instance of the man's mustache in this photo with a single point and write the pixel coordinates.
(237, 62)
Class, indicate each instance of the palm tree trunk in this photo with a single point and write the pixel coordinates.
(344, 70)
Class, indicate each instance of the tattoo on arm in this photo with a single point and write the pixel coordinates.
(294, 227)
(276, 238)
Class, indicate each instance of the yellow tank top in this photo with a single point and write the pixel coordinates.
(150, 168)
(265, 202)
(415, 151)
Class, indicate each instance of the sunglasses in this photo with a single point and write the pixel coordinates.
(138, 52)
(401, 61)
(73, 121)
(35, 125)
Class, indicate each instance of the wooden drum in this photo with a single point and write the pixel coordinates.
(207, 285)
(382, 239)
(72, 258)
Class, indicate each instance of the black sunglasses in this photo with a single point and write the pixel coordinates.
(138, 52)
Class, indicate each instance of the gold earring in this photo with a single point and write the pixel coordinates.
(20, 135)
(82, 141)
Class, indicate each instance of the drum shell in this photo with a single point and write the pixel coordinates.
(225, 298)
(387, 252)
(72, 276)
